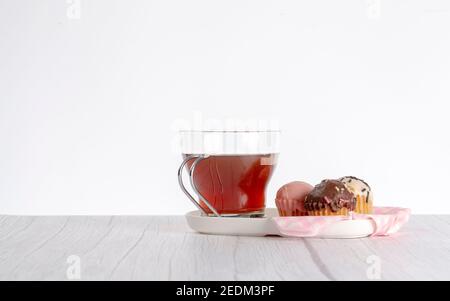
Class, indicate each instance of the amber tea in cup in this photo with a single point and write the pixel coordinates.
(229, 171)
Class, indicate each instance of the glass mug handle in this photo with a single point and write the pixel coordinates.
(198, 158)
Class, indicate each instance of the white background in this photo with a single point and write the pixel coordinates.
(89, 98)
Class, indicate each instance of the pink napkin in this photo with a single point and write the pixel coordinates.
(387, 220)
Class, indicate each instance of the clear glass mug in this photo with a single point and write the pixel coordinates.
(229, 170)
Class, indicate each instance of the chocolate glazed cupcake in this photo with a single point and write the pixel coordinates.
(330, 197)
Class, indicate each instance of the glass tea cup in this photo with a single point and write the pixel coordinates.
(229, 170)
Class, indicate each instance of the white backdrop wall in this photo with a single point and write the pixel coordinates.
(90, 92)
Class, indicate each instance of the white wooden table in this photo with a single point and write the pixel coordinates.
(164, 248)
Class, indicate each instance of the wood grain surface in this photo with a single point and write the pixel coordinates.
(164, 248)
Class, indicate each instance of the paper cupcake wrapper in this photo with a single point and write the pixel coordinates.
(289, 208)
(362, 206)
(328, 212)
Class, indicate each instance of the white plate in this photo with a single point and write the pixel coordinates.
(264, 226)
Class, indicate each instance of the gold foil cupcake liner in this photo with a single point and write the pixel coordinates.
(328, 212)
(362, 206)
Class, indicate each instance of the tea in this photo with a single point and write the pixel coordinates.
(234, 184)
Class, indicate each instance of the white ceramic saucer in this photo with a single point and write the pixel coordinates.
(264, 226)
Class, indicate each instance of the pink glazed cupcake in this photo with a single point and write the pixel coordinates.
(290, 199)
